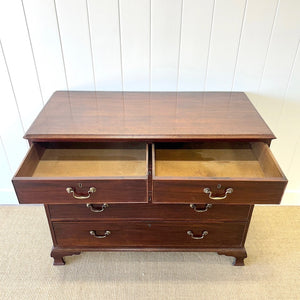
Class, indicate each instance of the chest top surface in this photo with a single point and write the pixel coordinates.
(148, 116)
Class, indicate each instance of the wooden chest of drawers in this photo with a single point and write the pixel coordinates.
(149, 171)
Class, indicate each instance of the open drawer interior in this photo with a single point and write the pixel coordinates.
(215, 159)
(85, 160)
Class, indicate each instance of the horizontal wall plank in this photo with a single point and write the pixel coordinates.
(19, 58)
(258, 25)
(195, 38)
(105, 42)
(226, 30)
(75, 38)
(165, 41)
(11, 129)
(135, 41)
(7, 195)
(287, 130)
(43, 30)
(293, 174)
(279, 61)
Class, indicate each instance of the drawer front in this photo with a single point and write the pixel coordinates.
(107, 191)
(83, 172)
(194, 191)
(148, 234)
(205, 213)
(216, 172)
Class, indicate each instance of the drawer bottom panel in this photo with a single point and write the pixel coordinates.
(149, 234)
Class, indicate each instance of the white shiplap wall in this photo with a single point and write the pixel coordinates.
(189, 45)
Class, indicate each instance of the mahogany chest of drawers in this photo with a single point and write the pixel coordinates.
(149, 171)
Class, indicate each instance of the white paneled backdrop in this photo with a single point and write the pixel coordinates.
(158, 45)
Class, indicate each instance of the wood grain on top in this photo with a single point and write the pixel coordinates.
(149, 116)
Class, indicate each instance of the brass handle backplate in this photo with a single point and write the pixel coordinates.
(194, 207)
(90, 191)
(95, 210)
(106, 234)
(209, 192)
(191, 234)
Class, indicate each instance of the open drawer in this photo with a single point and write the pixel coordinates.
(83, 172)
(216, 172)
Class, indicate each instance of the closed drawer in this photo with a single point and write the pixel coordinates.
(83, 172)
(200, 212)
(148, 234)
(218, 172)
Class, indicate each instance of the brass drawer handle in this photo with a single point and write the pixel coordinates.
(209, 192)
(90, 191)
(190, 233)
(106, 234)
(207, 206)
(95, 210)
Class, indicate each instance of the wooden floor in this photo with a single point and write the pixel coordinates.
(272, 270)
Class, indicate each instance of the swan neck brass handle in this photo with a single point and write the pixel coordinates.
(209, 192)
(194, 207)
(106, 234)
(90, 191)
(95, 210)
(191, 234)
